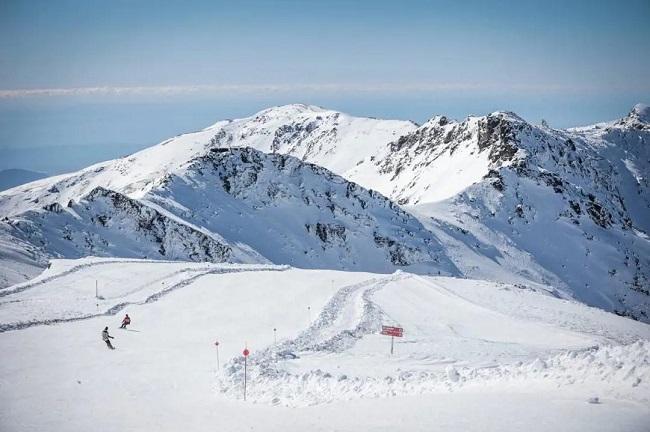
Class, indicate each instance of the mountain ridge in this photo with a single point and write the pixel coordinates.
(488, 191)
(237, 205)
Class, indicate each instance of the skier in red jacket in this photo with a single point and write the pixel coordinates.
(126, 321)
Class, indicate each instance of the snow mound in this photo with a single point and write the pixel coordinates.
(621, 371)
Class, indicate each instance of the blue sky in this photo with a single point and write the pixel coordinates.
(123, 73)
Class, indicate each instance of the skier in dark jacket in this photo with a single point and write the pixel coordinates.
(126, 321)
(107, 338)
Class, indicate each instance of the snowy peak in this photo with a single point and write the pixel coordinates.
(508, 115)
(641, 112)
(500, 133)
(334, 140)
(290, 110)
(639, 117)
(443, 157)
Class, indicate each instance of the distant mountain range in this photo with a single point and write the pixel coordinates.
(491, 197)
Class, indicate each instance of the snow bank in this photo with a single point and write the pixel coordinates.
(621, 372)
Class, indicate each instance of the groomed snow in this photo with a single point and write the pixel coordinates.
(476, 355)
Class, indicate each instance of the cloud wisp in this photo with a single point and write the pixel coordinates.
(267, 89)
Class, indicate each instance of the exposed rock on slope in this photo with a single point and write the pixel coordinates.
(564, 208)
(237, 205)
(296, 213)
(107, 223)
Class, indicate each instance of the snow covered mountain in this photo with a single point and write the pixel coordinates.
(238, 205)
(328, 138)
(569, 209)
(511, 201)
(497, 198)
(107, 223)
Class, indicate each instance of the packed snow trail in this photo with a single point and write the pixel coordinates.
(36, 308)
(346, 318)
(86, 263)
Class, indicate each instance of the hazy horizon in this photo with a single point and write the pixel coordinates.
(82, 82)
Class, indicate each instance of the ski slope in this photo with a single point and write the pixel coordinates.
(475, 356)
(53, 297)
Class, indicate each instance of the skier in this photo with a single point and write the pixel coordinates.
(125, 322)
(107, 338)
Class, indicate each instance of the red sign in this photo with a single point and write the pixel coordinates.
(392, 331)
(246, 352)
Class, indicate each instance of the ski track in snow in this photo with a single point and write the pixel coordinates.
(605, 366)
(312, 338)
(205, 271)
(37, 282)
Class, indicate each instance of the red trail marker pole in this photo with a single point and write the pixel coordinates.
(246, 352)
(217, 345)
